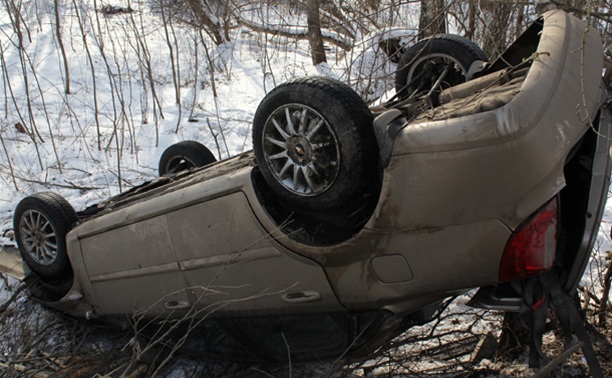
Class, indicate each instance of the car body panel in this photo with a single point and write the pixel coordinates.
(157, 270)
(454, 183)
(465, 153)
(447, 180)
(205, 253)
(559, 65)
(582, 232)
(470, 178)
(427, 254)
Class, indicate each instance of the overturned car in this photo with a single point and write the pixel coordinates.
(349, 224)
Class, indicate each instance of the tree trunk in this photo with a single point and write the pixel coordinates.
(315, 38)
(471, 29)
(498, 15)
(58, 32)
(433, 18)
(520, 16)
(211, 28)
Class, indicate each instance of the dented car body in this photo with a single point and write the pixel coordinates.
(474, 191)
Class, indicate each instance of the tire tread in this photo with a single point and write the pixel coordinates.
(345, 103)
(62, 217)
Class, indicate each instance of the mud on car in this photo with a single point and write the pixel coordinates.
(349, 223)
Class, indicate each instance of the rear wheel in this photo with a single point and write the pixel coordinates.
(184, 155)
(314, 142)
(424, 62)
(41, 222)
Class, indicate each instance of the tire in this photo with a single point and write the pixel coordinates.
(429, 57)
(41, 222)
(328, 156)
(184, 155)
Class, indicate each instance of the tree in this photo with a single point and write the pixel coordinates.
(58, 32)
(315, 38)
(497, 30)
(432, 20)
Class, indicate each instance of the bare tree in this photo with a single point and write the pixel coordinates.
(58, 32)
(432, 20)
(207, 19)
(495, 17)
(90, 60)
(471, 24)
(315, 38)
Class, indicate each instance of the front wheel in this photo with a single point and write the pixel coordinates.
(41, 222)
(314, 142)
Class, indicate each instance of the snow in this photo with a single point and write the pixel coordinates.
(88, 156)
(132, 133)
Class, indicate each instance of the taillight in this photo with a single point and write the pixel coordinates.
(532, 247)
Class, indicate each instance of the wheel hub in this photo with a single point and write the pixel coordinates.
(300, 150)
(431, 67)
(39, 239)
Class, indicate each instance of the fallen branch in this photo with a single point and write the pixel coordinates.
(23, 369)
(543, 372)
(12, 299)
(297, 33)
(70, 186)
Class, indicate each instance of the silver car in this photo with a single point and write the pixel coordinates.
(347, 223)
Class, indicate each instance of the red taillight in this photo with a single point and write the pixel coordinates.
(532, 247)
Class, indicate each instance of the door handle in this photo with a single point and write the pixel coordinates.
(302, 297)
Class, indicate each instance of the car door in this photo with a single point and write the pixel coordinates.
(134, 269)
(231, 264)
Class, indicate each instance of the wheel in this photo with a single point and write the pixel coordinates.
(314, 142)
(41, 223)
(184, 155)
(423, 63)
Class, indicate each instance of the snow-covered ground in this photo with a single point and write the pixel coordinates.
(133, 130)
(127, 103)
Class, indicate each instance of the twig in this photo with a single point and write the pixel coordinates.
(606, 293)
(13, 298)
(71, 186)
(23, 369)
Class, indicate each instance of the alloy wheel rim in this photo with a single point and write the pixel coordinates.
(301, 149)
(38, 237)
